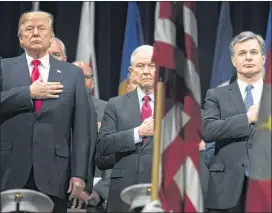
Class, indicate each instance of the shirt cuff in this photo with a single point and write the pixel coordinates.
(137, 138)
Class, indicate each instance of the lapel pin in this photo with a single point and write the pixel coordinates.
(58, 71)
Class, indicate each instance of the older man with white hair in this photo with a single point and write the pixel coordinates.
(125, 140)
(57, 49)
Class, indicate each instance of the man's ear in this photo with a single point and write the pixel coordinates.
(233, 61)
(130, 69)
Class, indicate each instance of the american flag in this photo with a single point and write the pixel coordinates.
(175, 50)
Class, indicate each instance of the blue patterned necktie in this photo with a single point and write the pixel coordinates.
(248, 103)
(249, 98)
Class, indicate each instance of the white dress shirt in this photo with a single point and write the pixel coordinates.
(141, 94)
(256, 90)
(44, 66)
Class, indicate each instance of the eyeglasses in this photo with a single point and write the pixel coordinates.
(150, 67)
(88, 77)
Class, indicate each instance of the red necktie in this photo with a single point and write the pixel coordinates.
(34, 76)
(146, 110)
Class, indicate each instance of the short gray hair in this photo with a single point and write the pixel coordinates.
(245, 36)
(139, 49)
(63, 48)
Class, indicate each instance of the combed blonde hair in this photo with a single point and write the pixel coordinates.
(35, 14)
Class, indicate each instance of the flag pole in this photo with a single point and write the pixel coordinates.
(159, 109)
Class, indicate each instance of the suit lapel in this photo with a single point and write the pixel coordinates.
(55, 75)
(21, 70)
(236, 97)
(134, 108)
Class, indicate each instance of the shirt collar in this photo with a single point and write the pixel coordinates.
(141, 94)
(242, 85)
(44, 60)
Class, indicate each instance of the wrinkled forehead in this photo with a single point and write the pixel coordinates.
(36, 21)
(248, 45)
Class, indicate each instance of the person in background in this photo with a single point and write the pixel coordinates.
(97, 197)
(57, 49)
(132, 81)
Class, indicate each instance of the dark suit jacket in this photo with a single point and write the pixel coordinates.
(225, 122)
(13, 103)
(102, 187)
(43, 140)
(131, 164)
(99, 106)
(93, 132)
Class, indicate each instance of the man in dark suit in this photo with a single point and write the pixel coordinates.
(12, 104)
(125, 139)
(230, 113)
(36, 148)
(101, 188)
(97, 194)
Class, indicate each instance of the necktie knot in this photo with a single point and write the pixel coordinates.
(146, 99)
(248, 88)
(36, 62)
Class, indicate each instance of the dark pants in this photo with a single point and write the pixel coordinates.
(240, 207)
(60, 205)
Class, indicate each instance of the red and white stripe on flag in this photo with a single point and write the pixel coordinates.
(180, 189)
(85, 45)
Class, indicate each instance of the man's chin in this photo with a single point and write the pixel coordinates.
(251, 73)
(146, 87)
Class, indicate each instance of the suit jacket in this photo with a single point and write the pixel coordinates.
(43, 140)
(93, 135)
(102, 187)
(131, 164)
(99, 106)
(13, 103)
(225, 122)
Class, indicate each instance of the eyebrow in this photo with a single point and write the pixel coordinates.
(243, 50)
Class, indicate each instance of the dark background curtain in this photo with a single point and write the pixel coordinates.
(110, 21)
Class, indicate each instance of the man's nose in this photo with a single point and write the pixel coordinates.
(36, 31)
(248, 56)
(146, 70)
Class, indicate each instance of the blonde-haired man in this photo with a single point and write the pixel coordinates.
(36, 148)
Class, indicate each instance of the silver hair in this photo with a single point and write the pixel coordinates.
(245, 36)
(140, 49)
(63, 48)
